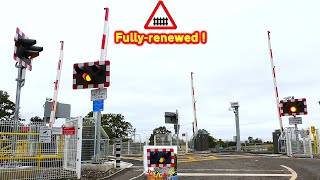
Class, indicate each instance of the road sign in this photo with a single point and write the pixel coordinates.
(57, 130)
(295, 120)
(313, 130)
(171, 118)
(25, 128)
(162, 21)
(99, 94)
(45, 134)
(62, 110)
(68, 130)
(98, 105)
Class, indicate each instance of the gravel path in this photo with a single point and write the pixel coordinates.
(96, 175)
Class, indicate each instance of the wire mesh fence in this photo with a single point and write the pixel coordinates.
(163, 139)
(128, 148)
(89, 140)
(32, 151)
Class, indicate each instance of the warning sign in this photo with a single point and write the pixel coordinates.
(68, 130)
(160, 18)
(45, 134)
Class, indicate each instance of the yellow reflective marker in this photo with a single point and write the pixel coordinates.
(293, 109)
(313, 130)
(86, 77)
(161, 160)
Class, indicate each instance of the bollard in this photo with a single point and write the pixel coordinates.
(118, 152)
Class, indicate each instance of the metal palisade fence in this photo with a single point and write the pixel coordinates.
(35, 151)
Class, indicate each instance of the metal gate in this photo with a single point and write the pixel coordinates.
(72, 147)
(30, 152)
(298, 143)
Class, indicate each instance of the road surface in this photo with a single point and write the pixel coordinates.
(232, 167)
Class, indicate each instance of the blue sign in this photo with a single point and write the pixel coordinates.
(98, 105)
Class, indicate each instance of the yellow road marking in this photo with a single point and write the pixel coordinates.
(213, 157)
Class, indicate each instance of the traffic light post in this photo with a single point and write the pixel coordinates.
(294, 107)
(173, 118)
(20, 84)
(24, 53)
(94, 75)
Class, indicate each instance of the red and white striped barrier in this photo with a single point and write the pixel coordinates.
(195, 124)
(104, 43)
(275, 83)
(56, 87)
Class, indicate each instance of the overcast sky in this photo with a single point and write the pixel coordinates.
(149, 80)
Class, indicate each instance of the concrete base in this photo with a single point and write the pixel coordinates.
(316, 156)
(301, 156)
(98, 167)
(132, 155)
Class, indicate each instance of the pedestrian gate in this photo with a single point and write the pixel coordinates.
(298, 143)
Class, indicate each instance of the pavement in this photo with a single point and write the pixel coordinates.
(233, 166)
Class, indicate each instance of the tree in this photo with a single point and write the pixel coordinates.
(221, 143)
(114, 125)
(250, 139)
(36, 119)
(257, 140)
(159, 130)
(7, 107)
(212, 142)
(203, 131)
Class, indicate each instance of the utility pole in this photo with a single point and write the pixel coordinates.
(235, 107)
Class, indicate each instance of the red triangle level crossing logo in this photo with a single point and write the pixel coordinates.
(160, 22)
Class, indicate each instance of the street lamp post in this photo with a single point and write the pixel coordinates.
(235, 108)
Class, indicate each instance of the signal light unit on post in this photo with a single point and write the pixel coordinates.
(293, 107)
(91, 75)
(160, 157)
(25, 50)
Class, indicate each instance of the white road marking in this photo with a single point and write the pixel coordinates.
(137, 176)
(293, 173)
(137, 167)
(216, 174)
(231, 170)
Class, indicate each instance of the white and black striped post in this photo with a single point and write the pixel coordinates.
(118, 152)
